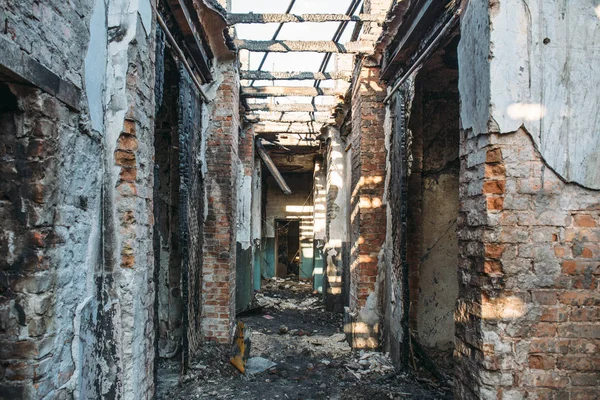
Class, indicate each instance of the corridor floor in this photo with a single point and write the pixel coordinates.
(313, 360)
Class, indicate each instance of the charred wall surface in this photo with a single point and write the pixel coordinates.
(77, 293)
(166, 212)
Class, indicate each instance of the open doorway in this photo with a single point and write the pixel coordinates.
(166, 210)
(287, 245)
(433, 203)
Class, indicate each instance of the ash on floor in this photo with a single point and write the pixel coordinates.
(314, 361)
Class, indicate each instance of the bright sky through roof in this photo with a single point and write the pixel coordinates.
(306, 61)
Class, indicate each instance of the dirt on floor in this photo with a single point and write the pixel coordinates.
(313, 360)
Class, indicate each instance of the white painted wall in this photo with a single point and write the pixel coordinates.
(538, 70)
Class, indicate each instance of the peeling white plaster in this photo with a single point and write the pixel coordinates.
(244, 208)
(95, 65)
(540, 54)
(474, 77)
(145, 11)
(256, 201)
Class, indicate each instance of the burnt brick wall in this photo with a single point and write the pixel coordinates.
(53, 32)
(166, 213)
(218, 288)
(527, 321)
(49, 200)
(191, 208)
(90, 300)
(368, 215)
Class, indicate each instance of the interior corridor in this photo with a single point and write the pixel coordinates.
(304, 355)
(299, 199)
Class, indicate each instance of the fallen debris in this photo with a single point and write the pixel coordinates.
(310, 303)
(256, 365)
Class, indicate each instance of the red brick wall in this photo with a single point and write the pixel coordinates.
(528, 318)
(368, 217)
(218, 301)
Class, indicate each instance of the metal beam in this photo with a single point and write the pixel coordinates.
(296, 75)
(282, 91)
(291, 107)
(318, 46)
(287, 18)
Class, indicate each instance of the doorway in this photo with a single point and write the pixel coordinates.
(433, 203)
(287, 245)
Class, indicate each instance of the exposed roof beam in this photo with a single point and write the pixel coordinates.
(296, 75)
(282, 91)
(285, 18)
(274, 37)
(321, 119)
(292, 141)
(272, 168)
(290, 107)
(274, 127)
(187, 23)
(318, 46)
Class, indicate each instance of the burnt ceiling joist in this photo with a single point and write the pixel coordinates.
(284, 108)
(295, 75)
(256, 18)
(316, 46)
(284, 91)
(417, 22)
(193, 34)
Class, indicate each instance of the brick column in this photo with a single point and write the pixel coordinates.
(218, 289)
(368, 217)
(367, 166)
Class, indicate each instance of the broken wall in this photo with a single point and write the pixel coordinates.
(319, 218)
(367, 183)
(78, 295)
(336, 252)
(166, 210)
(528, 296)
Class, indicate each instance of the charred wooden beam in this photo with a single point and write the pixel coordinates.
(272, 168)
(287, 18)
(18, 66)
(187, 23)
(290, 107)
(284, 127)
(257, 118)
(296, 75)
(325, 46)
(282, 91)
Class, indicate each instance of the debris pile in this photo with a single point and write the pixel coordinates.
(311, 303)
(370, 363)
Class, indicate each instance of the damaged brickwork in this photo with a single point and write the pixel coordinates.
(218, 286)
(368, 175)
(527, 318)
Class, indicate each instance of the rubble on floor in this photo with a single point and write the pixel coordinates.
(304, 355)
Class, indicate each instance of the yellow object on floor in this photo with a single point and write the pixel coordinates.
(241, 347)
